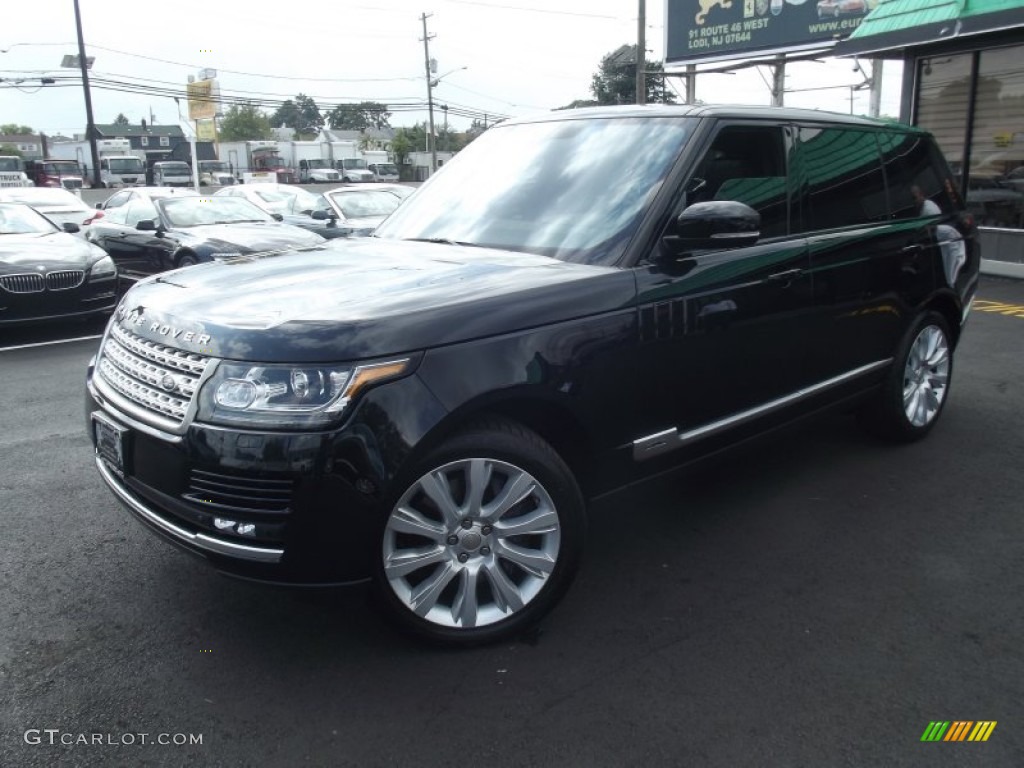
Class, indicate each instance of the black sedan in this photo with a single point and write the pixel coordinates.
(149, 235)
(47, 273)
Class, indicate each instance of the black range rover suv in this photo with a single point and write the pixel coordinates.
(576, 302)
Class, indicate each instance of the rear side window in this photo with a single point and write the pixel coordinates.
(746, 164)
(915, 186)
(842, 177)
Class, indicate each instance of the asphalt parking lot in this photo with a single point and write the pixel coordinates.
(816, 599)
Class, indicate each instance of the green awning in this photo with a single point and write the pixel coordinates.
(895, 25)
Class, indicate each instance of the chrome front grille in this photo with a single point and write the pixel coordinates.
(71, 183)
(62, 281)
(27, 283)
(160, 379)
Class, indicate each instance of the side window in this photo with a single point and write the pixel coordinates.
(746, 164)
(116, 201)
(139, 210)
(915, 188)
(114, 215)
(842, 174)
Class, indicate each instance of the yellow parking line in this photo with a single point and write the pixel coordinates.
(999, 307)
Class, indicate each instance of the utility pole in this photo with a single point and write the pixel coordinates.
(430, 92)
(641, 54)
(90, 126)
(779, 80)
(875, 104)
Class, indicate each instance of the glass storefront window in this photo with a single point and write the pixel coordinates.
(942, 106)
(996, 176)
(995, 158)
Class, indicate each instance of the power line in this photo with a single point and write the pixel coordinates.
(538, 10)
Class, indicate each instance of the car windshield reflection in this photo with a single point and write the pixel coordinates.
(199, 211)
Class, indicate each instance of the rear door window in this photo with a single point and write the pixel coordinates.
(842, 178)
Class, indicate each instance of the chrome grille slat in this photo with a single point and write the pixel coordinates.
(65, 280)
(136, 391)
(145, 371)
(138, 370)
(25, 283)
(186, 362)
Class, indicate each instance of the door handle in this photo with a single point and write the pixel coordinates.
(912, 250)
(785, 277)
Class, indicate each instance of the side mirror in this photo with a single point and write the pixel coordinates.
(277, 217)
(70, 227)
(146, 225)
(99, 206)
(319, 215)
(715, 224)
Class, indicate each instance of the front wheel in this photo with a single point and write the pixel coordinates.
(187, 260)
(917, 387)
(484, 538)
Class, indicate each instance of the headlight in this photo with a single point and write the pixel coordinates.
(102, 268)
(247, 394)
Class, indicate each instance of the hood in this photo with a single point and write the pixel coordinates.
(363, 298)
(247, 238)
(51, 251)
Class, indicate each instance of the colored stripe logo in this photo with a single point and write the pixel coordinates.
(958, 730)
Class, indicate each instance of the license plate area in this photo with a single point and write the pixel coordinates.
(111, 441)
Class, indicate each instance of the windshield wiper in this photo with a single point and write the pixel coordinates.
(441, 241)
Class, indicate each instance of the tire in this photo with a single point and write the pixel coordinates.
(187, 260)
(917, 386)
(459, 577)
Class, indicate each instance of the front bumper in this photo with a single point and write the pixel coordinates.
(287, 508)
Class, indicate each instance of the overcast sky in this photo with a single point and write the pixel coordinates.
(520, 57)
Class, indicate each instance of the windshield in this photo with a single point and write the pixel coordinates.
(352, 163)
(70, 168)
(125, 165)
(211, 165)
(317, 164)
(22, 220)
(364, 203)
(11, 164)
(197, 211)
(571, 189)
(387, 169)
(175, 169)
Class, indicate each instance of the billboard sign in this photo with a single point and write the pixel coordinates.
(704, 30)
(205, 130)
(202, 99)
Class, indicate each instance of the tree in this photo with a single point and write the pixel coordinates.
(245, 122)
(615, 81)
(10, 149)
(121, 119)
(302, 115)
(13, 129)
(359, 117)
(401, 146)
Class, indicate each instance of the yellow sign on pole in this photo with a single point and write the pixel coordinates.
(205, 130)
(202, 104)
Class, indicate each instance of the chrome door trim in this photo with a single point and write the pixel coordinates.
(670, 439)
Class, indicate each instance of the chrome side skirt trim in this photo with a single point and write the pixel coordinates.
(200, 540)
(670, 439)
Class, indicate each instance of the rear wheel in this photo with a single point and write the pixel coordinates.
(917, 387)
(484, 539)
(187, 260)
